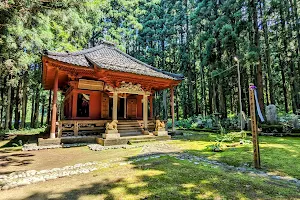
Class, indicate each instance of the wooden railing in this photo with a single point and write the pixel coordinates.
(81, 126)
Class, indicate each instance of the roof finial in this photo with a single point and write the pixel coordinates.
(102, 41)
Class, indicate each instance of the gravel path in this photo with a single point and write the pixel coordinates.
(159, 148)
(148, 151)
(16, 179)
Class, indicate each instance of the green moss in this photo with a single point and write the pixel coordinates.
(278, 154)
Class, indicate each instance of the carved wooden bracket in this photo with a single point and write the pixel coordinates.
(127, 88)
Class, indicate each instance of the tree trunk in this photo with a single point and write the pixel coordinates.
(177, 103)
(196, 94)
(297, 30)
(286, 105)
(7, 117)
(12, 101)
(267, 52)
(294, 75)
(259, 77)
(2, 108)
(37, 107)
(17, 105)
(266, 89)
(32, 111)
(222, 100)
(43, 111)
(285, 52)
(210, 97)
(24, 100)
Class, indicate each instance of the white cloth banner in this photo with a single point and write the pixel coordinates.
(258, 107)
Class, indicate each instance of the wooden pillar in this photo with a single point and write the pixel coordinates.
(54, 106)
(74, 104)
(151, 106)
(125, 105)
(172, 108)
(145, 112)
(49, 109)
(256, 154)
(115, 106)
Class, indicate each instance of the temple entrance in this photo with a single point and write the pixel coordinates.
(132, 109)
(83, 105)
(121, 108)
(110, 107)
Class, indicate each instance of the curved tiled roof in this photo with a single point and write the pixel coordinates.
(107, 56)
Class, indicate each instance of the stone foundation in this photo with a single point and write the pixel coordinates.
(160, 133)
(78, 139)
(110, 142)
(49, 141)
(111, 134)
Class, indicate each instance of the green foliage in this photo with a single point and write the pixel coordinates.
(217, 147)
(196, 38)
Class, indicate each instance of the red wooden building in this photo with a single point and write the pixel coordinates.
(102, 84)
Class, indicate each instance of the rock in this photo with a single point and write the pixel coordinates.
(271, 114)
(209, 123)
(244, 120)
(295, 122)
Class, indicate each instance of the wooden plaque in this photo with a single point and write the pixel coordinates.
(90, 84)
(104, 106)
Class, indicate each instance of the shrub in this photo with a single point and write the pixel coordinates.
(217, 147)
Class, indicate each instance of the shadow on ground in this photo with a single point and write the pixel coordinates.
(169, 178)
(19, 140)
(8, 159)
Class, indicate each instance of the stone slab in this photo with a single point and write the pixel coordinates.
(111, 131)
(125, 140)
(146, 132)
(49, 141)
(160, 133)
(111, 135)
(78, 139)
(110, 142)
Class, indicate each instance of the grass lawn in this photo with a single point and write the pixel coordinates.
(280, 155)
(164, 177)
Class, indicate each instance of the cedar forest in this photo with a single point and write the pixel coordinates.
(197, 38)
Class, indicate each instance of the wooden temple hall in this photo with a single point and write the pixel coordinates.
(108, 94)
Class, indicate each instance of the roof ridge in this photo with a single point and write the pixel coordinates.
(149, 66)
(83, 51)
(76, 53)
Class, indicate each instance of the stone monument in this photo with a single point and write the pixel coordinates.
(160, 128)
(295, 122)
(243, 118)
(271, 114)
(111, 131)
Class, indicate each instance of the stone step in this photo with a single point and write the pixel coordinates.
(143, 140)
(129, 125)
(129, 131)
(125, 134)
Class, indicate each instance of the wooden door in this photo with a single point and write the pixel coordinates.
(131, 108)
(104, 106)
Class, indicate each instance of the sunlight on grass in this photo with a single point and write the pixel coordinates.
(165, 177)
(277, 154)
(188, 185)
